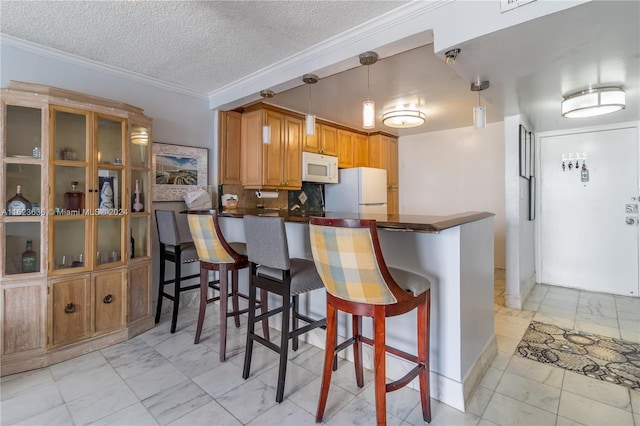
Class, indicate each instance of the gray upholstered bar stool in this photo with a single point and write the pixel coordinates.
(273, 271)
(179, 250)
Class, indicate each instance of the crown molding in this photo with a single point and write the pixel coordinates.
(70, 58)
(394, 25)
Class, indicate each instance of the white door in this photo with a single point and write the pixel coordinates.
(585, 241)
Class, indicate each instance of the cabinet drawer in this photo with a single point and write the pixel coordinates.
(108, 300)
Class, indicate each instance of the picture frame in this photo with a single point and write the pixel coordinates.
(177, 170)
(523, 152)
(532, 198)
(532, 155)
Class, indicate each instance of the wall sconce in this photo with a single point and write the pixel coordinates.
(479, 112)
(310, 119)
(368, 106)
(266, 134)
(592, 102)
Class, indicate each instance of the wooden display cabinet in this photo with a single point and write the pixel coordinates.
(88, 185)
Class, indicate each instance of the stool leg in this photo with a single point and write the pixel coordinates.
(160, 286)
(176, 293)
(423, 356)
(264, 308)
(294, 321)
(251, 326)
(356, 321)
(284, 346)
(224, 295)
(379, 369)
(329, 351)
(234, 296)
(204, 287)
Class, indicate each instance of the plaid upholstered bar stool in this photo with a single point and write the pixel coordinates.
(273, 271)
(179, 250)
(348, 257)
(216, 254)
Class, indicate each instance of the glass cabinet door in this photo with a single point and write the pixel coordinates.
(71, 134)
(139, 147)
(109, 247)
(69, 244)
(24, 132)
(140, 187)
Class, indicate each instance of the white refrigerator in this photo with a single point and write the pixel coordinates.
(359, 190)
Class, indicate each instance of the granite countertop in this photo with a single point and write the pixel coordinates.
(411, 223)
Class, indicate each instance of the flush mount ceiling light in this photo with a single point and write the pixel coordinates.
(479, 112)
(310, 119)
(593, 101)
(266, 94)
(368, 106)
(404, 118)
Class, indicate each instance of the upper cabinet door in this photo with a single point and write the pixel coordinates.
(272, 172)
(292, 155)
(329, 143)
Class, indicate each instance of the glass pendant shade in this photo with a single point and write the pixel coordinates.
(593, 102)
(368, 114)
(480, 117)
(310, 124)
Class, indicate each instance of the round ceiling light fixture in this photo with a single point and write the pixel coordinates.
(402, 118)
(593, 101)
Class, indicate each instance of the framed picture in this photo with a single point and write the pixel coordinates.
(532, 155)
(177, 170)
(532, 198)
(523, 152)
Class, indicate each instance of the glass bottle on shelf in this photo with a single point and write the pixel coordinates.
(18, 205)
(29, 258)
(74, 199)
(137, 202)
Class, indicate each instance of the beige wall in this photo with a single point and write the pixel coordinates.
(453, 171)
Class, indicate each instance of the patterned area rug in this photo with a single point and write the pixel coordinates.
(604, 358)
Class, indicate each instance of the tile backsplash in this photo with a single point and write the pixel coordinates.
(308, 200)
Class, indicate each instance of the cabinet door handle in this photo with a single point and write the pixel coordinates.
(70, 308)
(107, 299)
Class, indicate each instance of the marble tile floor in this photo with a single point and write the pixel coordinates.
(160, 378)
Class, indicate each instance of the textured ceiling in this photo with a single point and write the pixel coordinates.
(199, 45)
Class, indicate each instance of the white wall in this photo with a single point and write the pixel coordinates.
(453, 171)
(178, 117)
(520, 231)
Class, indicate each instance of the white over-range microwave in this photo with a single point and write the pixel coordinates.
(319, 168)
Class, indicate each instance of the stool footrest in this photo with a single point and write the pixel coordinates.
(406, 379)
(188, 277)
(391, 350)
(267, 314)
(307, 328)
(265, 342)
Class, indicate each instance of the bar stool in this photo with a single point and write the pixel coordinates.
(348, 257)
(180, 251)
(272, 270)
(216, 254)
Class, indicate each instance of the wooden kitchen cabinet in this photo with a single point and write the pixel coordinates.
(383, 154)
(323, 141)
(84, 165)
(360, 150)
(229, 155)
(345, 149)
(276, 163)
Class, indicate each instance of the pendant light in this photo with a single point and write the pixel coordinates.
(368, 106)
(266, 130)
(479, 112)
(310, 119)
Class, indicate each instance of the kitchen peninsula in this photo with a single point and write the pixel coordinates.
(456, 253)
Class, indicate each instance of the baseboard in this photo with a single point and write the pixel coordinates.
(516, 301)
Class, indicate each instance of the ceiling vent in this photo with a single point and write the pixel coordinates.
(507, 5)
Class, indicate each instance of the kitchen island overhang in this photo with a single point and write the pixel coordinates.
(456, 253)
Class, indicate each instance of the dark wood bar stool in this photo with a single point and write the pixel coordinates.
(216, 254)
(348, 257)
(173, 248)
(273, 271)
